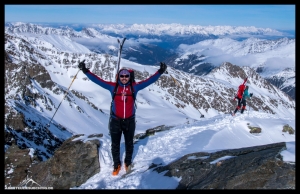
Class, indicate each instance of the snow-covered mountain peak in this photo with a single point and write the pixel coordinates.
(179, 29)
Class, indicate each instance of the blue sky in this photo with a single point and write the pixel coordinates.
(280, 17)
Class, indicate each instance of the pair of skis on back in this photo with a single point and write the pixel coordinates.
(121, 43)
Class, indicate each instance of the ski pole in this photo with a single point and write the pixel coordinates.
(64, 96)
(249, 109)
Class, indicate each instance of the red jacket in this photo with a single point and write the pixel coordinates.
(123, 104)
(241, 91)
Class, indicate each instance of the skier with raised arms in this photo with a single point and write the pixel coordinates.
(122, 117)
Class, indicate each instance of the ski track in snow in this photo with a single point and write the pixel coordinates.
(163, 149)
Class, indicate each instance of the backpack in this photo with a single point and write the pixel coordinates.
(241, 89)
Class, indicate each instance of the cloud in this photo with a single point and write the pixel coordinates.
(93, 43)
(277, 63)
(109, 43)
(217, 56)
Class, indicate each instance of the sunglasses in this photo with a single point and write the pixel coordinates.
(127, 76)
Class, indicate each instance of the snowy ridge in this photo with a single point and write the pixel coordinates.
(206, 135)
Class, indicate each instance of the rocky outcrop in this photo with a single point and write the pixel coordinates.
(71, 165)
(16, 164)
(258, 167)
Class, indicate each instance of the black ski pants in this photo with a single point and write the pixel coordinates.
(117, 127)
(240, 103)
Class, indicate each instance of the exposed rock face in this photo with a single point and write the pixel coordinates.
(16, 163)
(193, 63)
(71, 165)
(280, 83)
(258, 167)
(21, 102)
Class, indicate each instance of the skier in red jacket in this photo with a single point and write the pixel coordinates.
(122, 118)
(242, 96)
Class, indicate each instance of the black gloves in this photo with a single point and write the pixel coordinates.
(251, 94)
(163, 68)
(82, 67)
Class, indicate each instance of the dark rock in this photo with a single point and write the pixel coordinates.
(287, 128)
(254, 129)
(16, 164)
(258, 167)
(151, 131)
(71, 165)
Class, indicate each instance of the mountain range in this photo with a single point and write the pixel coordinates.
(190, 48)
(41, 63)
